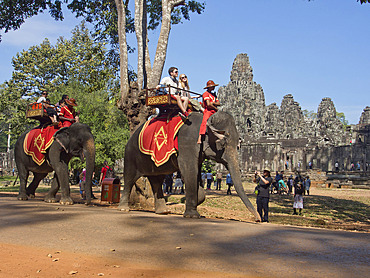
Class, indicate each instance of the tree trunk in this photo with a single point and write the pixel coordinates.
(123, 56)
(161, 52)
(141, 43)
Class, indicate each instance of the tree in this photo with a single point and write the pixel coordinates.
(309, 114)
(80, 68)
(342, 118)
(112, 20)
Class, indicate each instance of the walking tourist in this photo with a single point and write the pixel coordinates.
(218, 180)
(307, 185)
(229, 183)
(178, 183)
(209, 180)
(263, 193)
(168, 181)
(106, 172)
(298, 199)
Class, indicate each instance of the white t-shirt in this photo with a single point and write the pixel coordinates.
(168, 80)
(41, 99)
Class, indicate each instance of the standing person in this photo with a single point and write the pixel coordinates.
(290, 184)
(263, 195)
(168, 180)
(229, 183)
(182, 102)
(307, 185)
(104, 171)
(209, 180)
(298, 199)
(336, 165)
(218, 180)
(68, 114)
(82, 184)
(13, 171)
(309, 165)
(184, 84)
(204, 177)
(178, 183)
(210, 103)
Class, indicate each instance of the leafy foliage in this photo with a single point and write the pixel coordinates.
(309, 114)
(80, 68)
(14, 13)
(207, 166)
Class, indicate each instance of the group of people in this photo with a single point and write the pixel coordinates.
(281, 187)
(266, 185)
(179, 90)
(63, 111)
(168, 186)
(208, 178)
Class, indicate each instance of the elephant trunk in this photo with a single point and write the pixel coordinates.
(89, 153)
(233, 167)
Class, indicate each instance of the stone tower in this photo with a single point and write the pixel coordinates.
(244, 98)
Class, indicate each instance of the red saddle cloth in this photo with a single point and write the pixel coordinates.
(37, 141)
(158, 138)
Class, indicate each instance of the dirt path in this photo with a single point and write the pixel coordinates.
(98, 240)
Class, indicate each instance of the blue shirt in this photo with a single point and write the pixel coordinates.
(228, 179)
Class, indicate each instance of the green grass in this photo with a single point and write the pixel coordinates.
(329, 208)
(7, 178)
(40, 189)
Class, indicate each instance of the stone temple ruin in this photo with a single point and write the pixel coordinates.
(271, 136)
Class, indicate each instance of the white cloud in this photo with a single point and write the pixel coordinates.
(36, 29)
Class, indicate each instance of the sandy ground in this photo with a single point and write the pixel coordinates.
(50, 240)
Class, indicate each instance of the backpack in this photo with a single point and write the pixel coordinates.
(110, 173)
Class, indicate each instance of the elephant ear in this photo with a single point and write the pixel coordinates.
(61, 136)
(63, 129)
(221, 136)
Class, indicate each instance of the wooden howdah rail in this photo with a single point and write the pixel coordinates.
(162, 96)
(35, 111)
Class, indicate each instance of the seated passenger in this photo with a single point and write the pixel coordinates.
(48, 107)
(210, 103)
(184, 84)
(52, 113)
(68, 114)
(182, 102)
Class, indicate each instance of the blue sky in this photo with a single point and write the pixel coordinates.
(308, 49)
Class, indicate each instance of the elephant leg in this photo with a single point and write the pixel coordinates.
(65, 190)
(190, 173)
(50, 197)
(159, 201)
(23, 177)
(31, 189)
(201, 195)
(129, 180)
